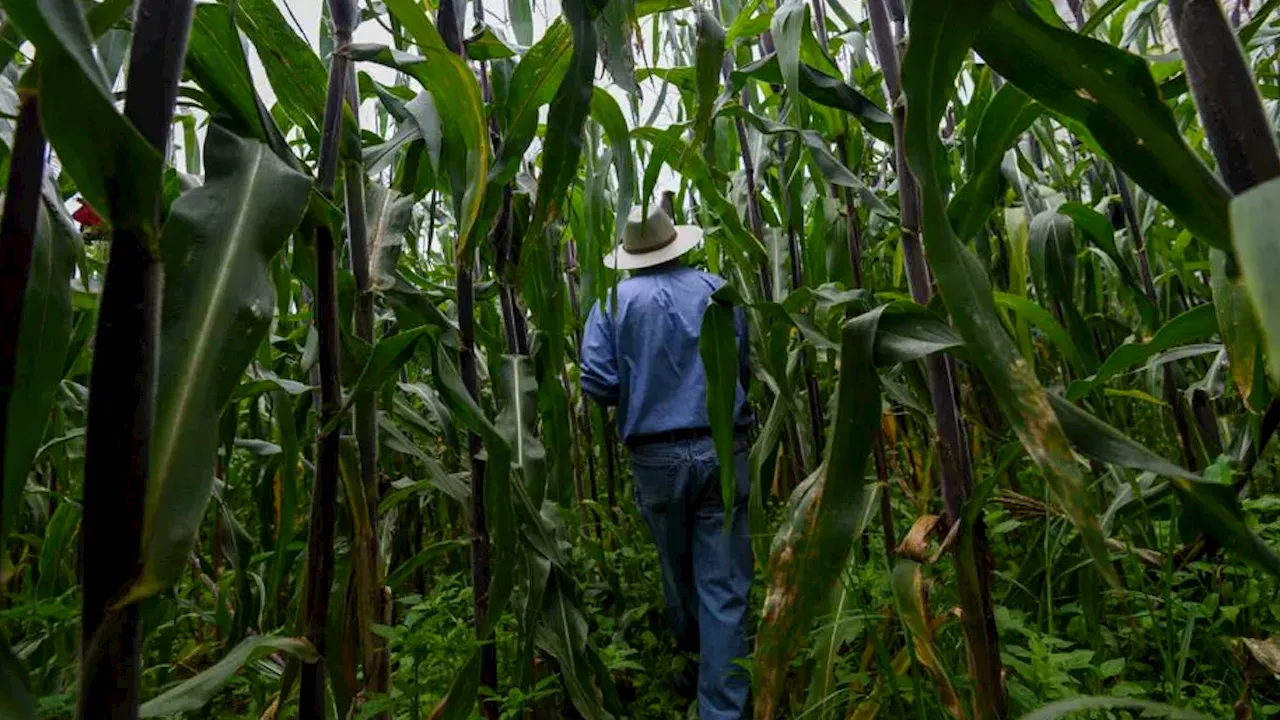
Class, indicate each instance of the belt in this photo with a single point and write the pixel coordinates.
(678, 435)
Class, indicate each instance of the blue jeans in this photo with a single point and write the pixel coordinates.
(706, 567)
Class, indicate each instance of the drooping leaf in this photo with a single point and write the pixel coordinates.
(44, 334)
(614, 26)
(831, 167)
(488, 45)
(942, 33)
(824, 90)
(718, 347)
(518, 421)
(295, 72)
(605, 111)
(194, 693)
(1214, 506)
(1110, 93)
(1195, 324)
(789, 22)
(218, 304)
(812, 547)
(907, 582)
(1254, 215)
(457, 95)
(1006, 117)
(216, 60)
(1238, 326)
(568, 112)
(709, 61)
(16, 702)
(114, 168)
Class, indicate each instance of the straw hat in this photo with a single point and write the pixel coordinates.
(652, 240)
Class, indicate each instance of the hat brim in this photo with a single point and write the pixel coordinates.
(687, 238)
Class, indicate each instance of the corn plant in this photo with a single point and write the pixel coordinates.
(289, 318)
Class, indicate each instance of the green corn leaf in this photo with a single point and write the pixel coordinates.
(457, 95)
(499, 511)
(1111, 93)
(1241, 335)
(1195, 324)
(718, 346)
(517, 421)
(822, 517)
(44, 336)
(942, 33)
(563, 632)
(824, 90)
(1254, 215)
(295, 72)
(56, 548)
(568, 112)
(709, 60)
(16, 702)
(605, 111)
(114, 168)
(615, 26)
(194, 693)
(1213, 506)
(1006, 117)
(831, 167)
(1048, 325)
(487, 45)
(218, 304)
(1096, 227)
(789, 22)
(216, 60)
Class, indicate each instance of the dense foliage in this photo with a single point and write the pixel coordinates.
(290, 408)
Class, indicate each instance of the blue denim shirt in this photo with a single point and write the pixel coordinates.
(644, 358)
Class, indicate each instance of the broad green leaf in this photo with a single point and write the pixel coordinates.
(56, 547)
(218, 304)
(563, 633)
(1195, 324)
(295, 72)
(1238, 326)
(1214, 506)
(16, 702)
(499, 512)
(788, 26)
(831, 167)
(457, 95)
(605, 111)
(836, 630)
(404, 571)
(824, 90)
(718, 347)
(488, 45)
(460, 702)
(822, 518)
(709, 61)
(1052, 250)
(1008, 115)
(569, 108)
(614, 24)
(44, 335)
(521, 14)
(942, 33)
(194, 693)
(1095, 226)
(1111, 93)
(767, 442)
(907, 331)
(1048, 325)
(1074, 706)
(907, 583)
(1254, 217)
(517, 420)
(114, 168)
(216, 60)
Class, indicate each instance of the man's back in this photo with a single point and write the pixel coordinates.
(645, 356)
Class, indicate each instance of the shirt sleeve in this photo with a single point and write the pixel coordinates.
(599, 361)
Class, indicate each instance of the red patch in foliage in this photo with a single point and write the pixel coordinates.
(86, 215)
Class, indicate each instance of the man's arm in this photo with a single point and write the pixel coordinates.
(599, 359)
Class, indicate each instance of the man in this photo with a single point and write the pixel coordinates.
(643, 356)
